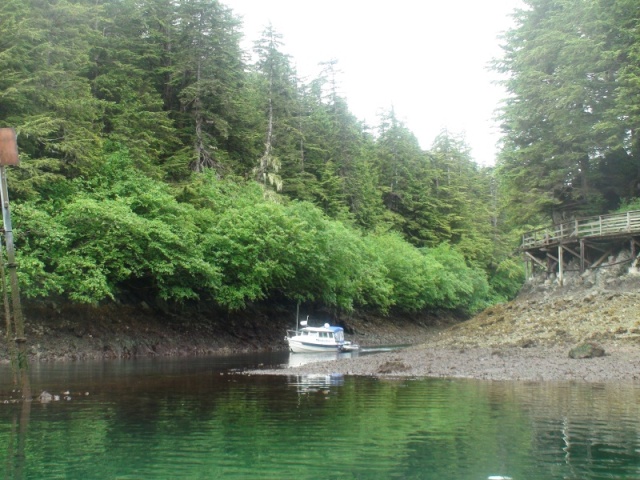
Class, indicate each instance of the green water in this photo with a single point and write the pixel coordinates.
(197, 419)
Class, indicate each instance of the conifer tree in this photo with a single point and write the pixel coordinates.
(44, 56)
(128, 77)
(399, 158)
(568, 121)
(278, 95)
(206, 80)
(463, 198)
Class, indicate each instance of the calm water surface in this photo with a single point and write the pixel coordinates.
(197, 419)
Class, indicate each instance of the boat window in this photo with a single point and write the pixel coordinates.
(330, 334)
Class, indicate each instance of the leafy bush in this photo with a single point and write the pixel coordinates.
(121, 228)
(407, 271)
(255, 247)
(225, 241)
(628, 205)
(459, 285)
(506, 280)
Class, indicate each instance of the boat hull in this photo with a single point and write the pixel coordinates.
(297, 346)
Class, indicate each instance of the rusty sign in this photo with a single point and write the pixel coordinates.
(8, 147)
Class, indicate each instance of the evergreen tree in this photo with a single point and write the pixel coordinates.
(401, 163)
(206, 80)
(278, 92)
(128, 77)
(331, 145)
(464, 199)
(565, 119)
(44, 57)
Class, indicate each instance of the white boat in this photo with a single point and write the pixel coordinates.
(327, 338)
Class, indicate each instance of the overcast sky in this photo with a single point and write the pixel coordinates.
(428, 59)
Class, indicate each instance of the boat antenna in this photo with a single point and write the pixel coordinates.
(297, 314)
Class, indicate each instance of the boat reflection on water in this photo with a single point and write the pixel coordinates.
(301, 359)
(316, 383)
(320, 382)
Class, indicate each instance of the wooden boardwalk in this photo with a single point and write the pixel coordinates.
(592, 240)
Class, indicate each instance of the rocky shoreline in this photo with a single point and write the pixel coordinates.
(528, 339)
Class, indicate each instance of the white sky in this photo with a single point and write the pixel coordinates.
(426, 58)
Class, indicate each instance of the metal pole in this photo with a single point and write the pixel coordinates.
(20, 339)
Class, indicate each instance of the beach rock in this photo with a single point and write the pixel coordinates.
(586, 350)
(392, 366)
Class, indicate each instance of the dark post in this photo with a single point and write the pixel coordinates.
(11, 347)
(9, 156)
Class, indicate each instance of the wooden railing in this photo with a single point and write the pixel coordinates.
(601, 226)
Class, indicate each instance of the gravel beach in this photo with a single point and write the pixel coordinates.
(621, 363)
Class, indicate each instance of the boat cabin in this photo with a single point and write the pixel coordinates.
(327, 332)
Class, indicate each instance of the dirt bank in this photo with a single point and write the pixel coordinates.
(58, 331)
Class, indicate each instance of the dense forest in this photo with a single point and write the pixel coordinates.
(161, 162)
(571, 143)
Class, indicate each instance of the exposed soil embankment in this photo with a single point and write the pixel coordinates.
(72, 332)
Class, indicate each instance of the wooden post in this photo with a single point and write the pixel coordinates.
(9, 156)
(600, 225)
(11, 346)
(18, 320)
(560, 265)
